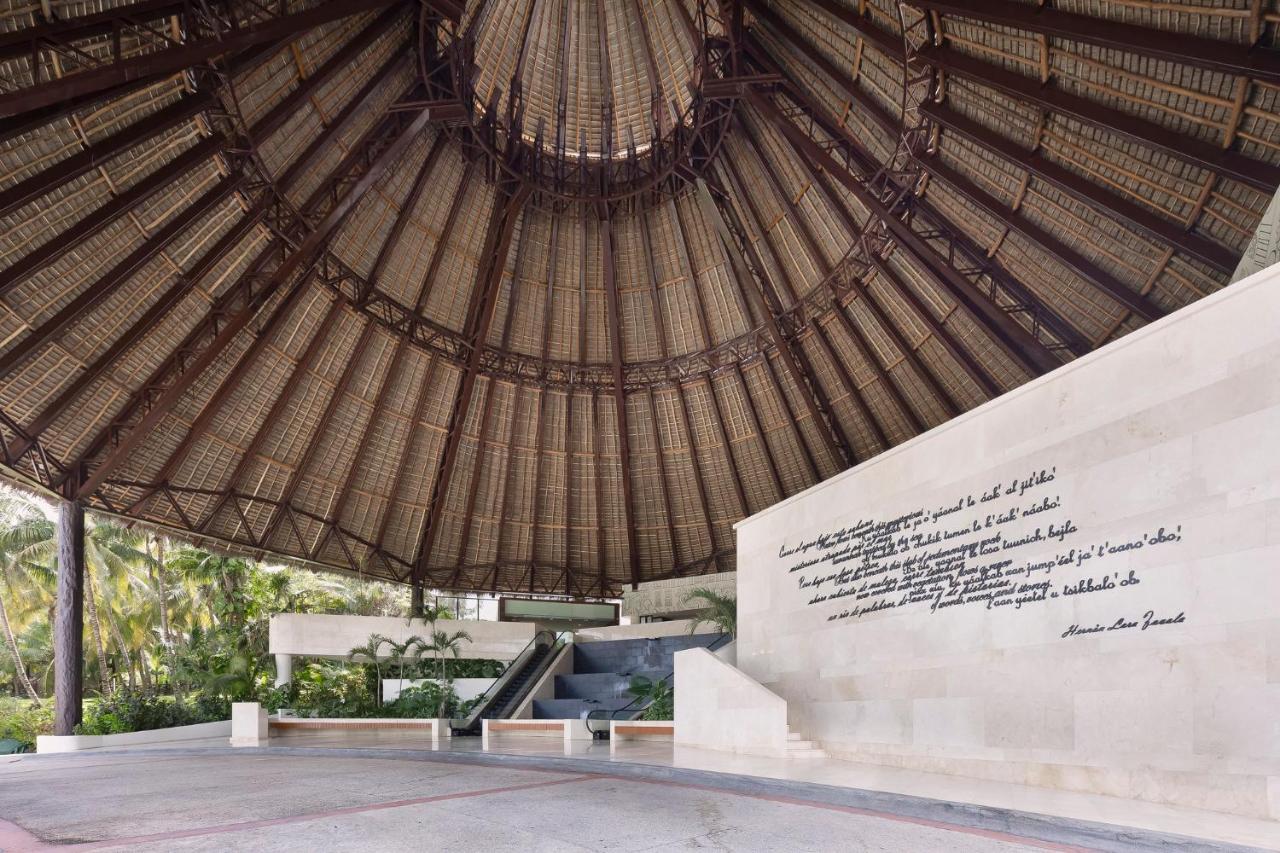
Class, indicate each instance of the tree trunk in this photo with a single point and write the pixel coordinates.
(124, 648)
(18, 666)
(166, 626)
(104, 675)
(144, 673)
(68, 627)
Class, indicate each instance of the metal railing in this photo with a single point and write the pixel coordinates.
(639, 703)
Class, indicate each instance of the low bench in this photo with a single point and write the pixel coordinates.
(250, 725)
(619, 730)
(437, 728)
(567, 730)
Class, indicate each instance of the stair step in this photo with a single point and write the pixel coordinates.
(793, 735)
(806, 753)
(800, 745)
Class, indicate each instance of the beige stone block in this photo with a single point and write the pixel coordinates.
(1133, 721)
(1238, 721)
(1022, 721)
(948, 722)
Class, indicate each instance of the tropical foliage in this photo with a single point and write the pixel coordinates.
(719, 610)
(173, 633)
(659, 695)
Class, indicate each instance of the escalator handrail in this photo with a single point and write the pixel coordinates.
(542, 639)
(630, 707)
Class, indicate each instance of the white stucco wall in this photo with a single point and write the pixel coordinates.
(319, 635)
(719, 707)
(1160, 456)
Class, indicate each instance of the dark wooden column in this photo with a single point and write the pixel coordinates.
(68, 640)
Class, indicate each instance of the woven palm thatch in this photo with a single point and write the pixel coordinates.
(545, 295)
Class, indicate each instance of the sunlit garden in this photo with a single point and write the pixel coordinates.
(174, 634)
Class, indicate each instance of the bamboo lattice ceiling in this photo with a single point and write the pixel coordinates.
(544, 295)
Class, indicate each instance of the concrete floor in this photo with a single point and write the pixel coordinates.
(1070, 817)
(281, 802)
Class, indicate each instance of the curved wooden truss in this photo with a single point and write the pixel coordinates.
(281, 277)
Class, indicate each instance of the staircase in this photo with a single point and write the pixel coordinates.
(602, 672)
(798, 747)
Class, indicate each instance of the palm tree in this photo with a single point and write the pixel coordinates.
(402, 651)
(21, 515)
(368, 653)
(720, 611)
(443, 643)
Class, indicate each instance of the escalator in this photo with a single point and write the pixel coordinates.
(507, 693)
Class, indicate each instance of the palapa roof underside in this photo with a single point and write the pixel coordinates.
(544, 295)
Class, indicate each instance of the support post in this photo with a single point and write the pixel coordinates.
(284, 670)
(416, 599)
(68, 651)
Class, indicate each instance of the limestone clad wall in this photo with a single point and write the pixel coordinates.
(325, 635)
(1076, 585)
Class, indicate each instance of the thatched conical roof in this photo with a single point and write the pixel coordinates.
(544, 295)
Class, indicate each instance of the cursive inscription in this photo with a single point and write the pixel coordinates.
(1012, 545)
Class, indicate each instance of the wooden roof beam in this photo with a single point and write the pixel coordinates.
(739, 252)
(123, 271)
(56, 174)
(1086, 269)
(1020, 343)
(767, 237)
(246, 359)
(301, 468)
(686, 260)
(1050, 96)
(602, 568)
(1134, 215)
(285, 395)
(944, 397)
(619, 394)
(68, 240)
(1250, 60)
(506, 213)
(419, 409)
(660, 324)
(814, 251)
(190, 370)
(202, 45)
(289, 106)
(977, 265)
(173, 297)
(749, 407)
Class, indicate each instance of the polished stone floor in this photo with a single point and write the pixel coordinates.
(361, 790)
(312, 803)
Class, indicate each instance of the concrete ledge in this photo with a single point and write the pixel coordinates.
(566, 730)
(620, 730)
(46, 744)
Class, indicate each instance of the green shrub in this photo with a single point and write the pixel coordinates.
(422, 702)
(328, 690)
(22, 721)
(137, 711)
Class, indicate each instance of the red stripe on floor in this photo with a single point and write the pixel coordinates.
(15, 839)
